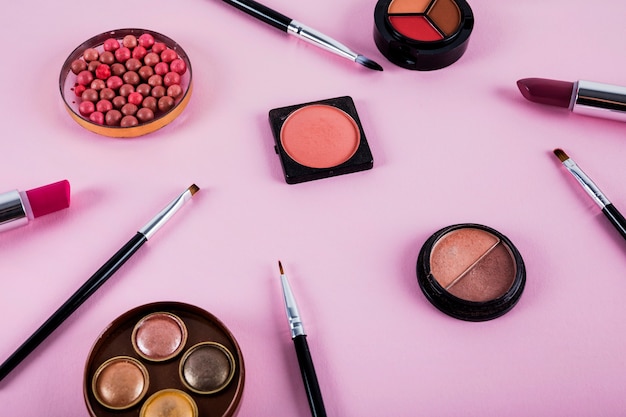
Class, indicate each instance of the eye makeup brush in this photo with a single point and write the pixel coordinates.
(96, 280)
(609, 210)
(313, 393)
(295, 28)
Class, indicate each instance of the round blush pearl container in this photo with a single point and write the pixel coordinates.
(471, 272)
(126, 83)
(164, 359)
(320, 139)
(422, 34)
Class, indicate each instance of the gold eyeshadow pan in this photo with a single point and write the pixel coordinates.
(163, 355)
(422, 34)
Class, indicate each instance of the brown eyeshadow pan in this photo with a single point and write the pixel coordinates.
(471, 272)
(121, 380)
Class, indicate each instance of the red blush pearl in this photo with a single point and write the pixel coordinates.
(168, 55)
(86, 108)
(114, 82)
(178, 66)
(135, 98)
(79, 90)
(146, 40)
(103, 71)
(84, 77)
(111, 45)
(171, 78)
(123, 54)
(97, 117)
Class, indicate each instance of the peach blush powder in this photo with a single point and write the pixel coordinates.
(320, 136)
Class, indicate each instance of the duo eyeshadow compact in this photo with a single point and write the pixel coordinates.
(164, 359)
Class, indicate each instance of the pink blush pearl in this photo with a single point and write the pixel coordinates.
(161, 68)
(171, 78)
(86, 108)
(178, 66)
(146, 40)
(111, 45)
(123, 54)
(84, 77)
(97, 117)
(135, 98)
(114, 82)
(168, 55)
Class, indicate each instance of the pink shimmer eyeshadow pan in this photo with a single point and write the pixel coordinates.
(159, 336)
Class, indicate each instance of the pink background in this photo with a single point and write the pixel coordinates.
(450, 146)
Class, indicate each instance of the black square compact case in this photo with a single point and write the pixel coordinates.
(320, 139)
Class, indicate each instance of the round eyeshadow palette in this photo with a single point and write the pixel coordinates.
(197, 364)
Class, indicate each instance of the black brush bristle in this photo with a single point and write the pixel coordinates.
(368, 63)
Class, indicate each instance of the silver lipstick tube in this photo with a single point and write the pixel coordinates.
(599, 100)
(13, 210)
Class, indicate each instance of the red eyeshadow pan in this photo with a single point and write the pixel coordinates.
(415, 27)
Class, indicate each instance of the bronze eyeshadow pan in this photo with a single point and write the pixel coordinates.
(163, 355)
(320, 139)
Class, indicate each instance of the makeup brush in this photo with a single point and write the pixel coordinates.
(295, 28)
(96, 280)
(309, 377)
(609, 210)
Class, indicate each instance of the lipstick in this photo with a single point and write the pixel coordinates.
(17, 208)
(584, 97)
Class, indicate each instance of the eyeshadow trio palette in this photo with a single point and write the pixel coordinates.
(164, 359)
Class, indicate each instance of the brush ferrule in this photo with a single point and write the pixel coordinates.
(165, 215)
(599, 100)
(319, 39)
(293, 315)
(12, 211)
(587, 183)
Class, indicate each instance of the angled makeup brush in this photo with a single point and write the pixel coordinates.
(295, 28)
(96, 280)
(609, 210)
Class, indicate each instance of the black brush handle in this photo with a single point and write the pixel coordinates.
(309, 377)
(616, 218)
(263, 13)
(79, 297)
